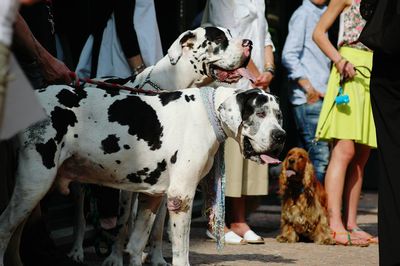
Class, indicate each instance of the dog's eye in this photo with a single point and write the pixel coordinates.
(261, 114)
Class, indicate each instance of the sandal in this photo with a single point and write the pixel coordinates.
(371, 239)
(350, 242)
(230, 237)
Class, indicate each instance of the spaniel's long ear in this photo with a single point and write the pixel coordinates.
(309, 175)
(283, 179)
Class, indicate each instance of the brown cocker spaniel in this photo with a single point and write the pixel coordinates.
(304, 211)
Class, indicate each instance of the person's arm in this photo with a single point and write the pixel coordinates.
(292, 50)
(265, 77)
(54, 71)
(124, 11)
(334, 9)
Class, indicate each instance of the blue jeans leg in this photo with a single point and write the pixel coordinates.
(306, 118)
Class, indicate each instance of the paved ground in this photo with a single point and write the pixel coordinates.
(265, 221)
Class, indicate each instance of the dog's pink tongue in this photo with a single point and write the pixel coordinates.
(268, 159)
(289, 173)
(244, 72)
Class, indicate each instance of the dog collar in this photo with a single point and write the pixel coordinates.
(207, 95)
(147, 80)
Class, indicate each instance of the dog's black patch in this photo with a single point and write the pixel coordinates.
(113, 91)
(47, 151)
(70, 98)
(148, 177)
(153, 177)
(261, 100)
(137, 177)
(67, 98)
(61, 119)
(119, 81)
(75, 135)
(218, 36)
(189, 98)
(173, 158)
(118, 161)
(109, 90)
(167, 97)
(110, 144)
(127, 147)
(140, 117)
(245, 102)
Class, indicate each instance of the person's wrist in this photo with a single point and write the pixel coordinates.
(269, 67)
(137, 69)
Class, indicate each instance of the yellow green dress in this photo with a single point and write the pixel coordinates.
(354, 120)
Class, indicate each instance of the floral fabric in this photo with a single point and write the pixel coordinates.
(352, 25)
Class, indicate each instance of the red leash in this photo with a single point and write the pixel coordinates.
(77, 79)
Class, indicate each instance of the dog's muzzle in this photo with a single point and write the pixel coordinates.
(268, 156)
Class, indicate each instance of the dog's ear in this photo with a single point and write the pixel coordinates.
(309, 175)
(186, 39)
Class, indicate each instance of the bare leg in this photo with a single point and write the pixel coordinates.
(238, 216)
(353, 187)
(342, 154)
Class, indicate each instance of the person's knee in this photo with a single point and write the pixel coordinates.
(344, 150)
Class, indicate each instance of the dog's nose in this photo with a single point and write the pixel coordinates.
(247, 43)
(278, 135)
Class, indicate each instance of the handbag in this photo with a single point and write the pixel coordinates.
(382, 31)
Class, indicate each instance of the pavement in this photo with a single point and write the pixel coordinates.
(265, 221)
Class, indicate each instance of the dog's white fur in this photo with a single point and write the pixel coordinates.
(171, 161)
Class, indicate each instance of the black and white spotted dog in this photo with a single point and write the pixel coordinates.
(195, 55)
(149, 144)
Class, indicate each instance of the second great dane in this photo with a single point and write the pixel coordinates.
(198, 54)
(148, 144)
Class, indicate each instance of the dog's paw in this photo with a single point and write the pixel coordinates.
(327, 241)
(76, 254)
(113, 260)
(281, 239)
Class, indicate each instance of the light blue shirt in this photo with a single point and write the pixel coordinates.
(301, 56)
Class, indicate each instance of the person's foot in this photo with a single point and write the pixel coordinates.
(346, 239)
(240, 228)
(359, 233)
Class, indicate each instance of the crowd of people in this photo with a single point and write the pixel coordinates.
(343, 96)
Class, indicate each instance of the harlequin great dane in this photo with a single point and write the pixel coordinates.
(149, 144)
(195, 55)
